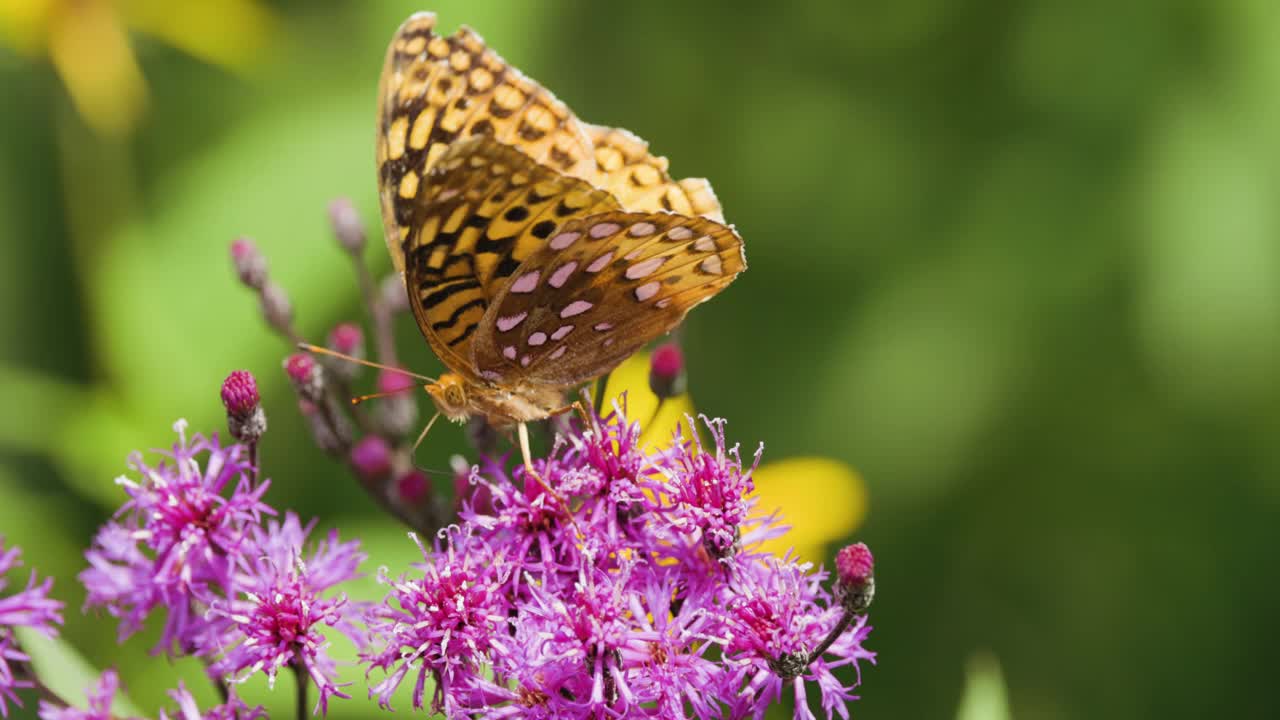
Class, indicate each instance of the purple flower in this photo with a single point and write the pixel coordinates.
(100, 697)
(30, 607)
(277, 619)
(777, 613)
(102, 694)
(709, 491)
(233, 709)
(443, 625)
(648, 600)
(176, 541)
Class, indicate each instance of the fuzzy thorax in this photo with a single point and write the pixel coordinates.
(458, 399)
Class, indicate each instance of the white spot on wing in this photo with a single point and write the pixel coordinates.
(564, 240)
(642, 229)
(647, 290)
(644, 267)
(577, 307)
(506, 323)
(598, 264)
(526, 282)
(562, 273)
(561, 332)
(537, 338)
(705, 244)
(604, 229)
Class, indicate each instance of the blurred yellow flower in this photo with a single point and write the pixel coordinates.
(88, 44)
(823, 500)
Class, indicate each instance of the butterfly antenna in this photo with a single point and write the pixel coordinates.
(361, 398)
(317, 350)
(422, 436)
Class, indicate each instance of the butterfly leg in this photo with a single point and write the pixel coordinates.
(588, 420)
(523, 431)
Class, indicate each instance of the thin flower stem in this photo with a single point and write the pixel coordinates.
(253, 461)
(845, 621)
(300, 674)
(383, 338)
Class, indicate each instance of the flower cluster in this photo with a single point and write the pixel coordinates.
(639, 590)
(30, 608)
(194, 543)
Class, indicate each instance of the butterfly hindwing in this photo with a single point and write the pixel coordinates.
(435, 90)
(601, 288)
(483, 209)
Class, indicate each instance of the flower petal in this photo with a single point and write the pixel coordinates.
(823, 500)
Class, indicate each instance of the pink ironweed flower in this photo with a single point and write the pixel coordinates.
(648, 597)
(283, 605)
(176, 540)
(30, 607)
(102, 694)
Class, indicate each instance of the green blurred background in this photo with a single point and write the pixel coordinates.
(1018, 261)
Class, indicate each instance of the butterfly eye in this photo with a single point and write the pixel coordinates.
(455, 396)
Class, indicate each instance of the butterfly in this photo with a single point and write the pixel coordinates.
(538, 251)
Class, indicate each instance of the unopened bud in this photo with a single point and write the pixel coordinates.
(347, 226)
(855, 577)
(413, 488)
(348, 339)
(250, 265)
(276, 308)
(398, 412)
(306, 375)
(246, 420)
(394, 297)
(371, 457)
(666, 371)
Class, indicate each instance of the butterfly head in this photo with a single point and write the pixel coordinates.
(450, 396)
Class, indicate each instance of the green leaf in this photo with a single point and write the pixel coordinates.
(985, 696)
(66, 672)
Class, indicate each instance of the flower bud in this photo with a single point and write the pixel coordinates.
(250, 265)
(346, 225)
(371, 457)
(246, 420)
(666, 371)
(306, 375)
(413, 488)
(394, 296)
(348, 339)
(398, 413)
(276, 307)
(855, 577)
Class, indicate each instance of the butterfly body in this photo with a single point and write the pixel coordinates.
(459, 399)
(538, 251)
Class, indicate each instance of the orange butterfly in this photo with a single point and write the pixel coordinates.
(538, 251)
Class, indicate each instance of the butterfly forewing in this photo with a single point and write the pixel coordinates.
(639, 179)
(601, 288)
(484, 208)
(435, 90)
